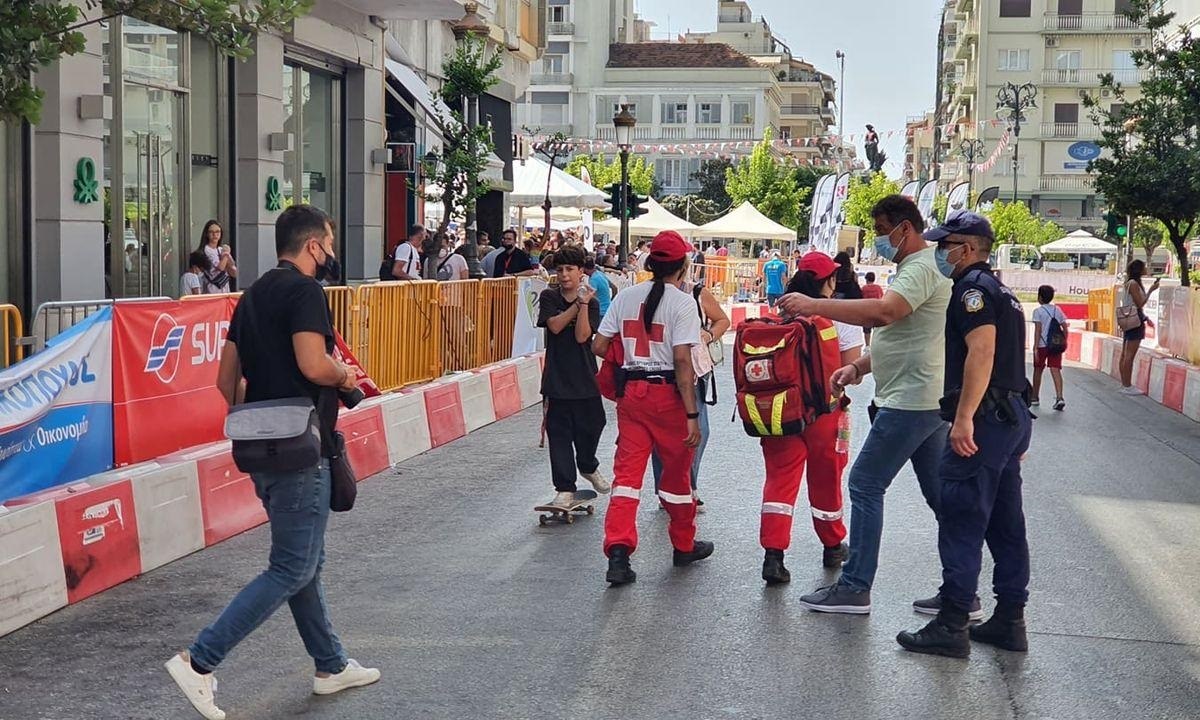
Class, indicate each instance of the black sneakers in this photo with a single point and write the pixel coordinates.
(1005, 630)
(937, 638)
(773, 570)
(933, 606)
(700, 550)
(619, 572)
(835, 556)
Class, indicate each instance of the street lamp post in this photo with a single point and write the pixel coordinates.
(1011, 103)
(471, 25)
(1130, 127)
(972, 151)
(624, 121)
(841, 56)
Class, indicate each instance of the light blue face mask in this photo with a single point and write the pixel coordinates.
(884, 247)
(942, 257)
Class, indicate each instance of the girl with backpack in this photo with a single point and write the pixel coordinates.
(1051, 344)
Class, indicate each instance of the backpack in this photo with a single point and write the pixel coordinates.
(1056, 337)
(781, 373)
(385, 267)
(443, 273)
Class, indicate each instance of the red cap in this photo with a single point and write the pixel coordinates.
(819, 264)
(669, 245)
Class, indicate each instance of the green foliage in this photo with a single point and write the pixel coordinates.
(693, 208)
(862, 196)
(35, 34)
(466, 144)
(605, 173)
(1013, 223)
(1149, 234)
(767, 183)
(711, 177)
(940, 204)
(1152, 166)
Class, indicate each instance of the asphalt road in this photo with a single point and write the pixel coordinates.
(442, 578)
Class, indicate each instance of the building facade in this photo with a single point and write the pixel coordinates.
(1062, 47)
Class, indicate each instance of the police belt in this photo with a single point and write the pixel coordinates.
(998, 399)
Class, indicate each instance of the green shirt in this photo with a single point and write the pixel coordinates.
(908, 357)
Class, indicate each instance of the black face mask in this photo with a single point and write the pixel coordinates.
(331, 269)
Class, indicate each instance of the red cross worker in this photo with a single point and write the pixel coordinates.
(656, 325)
(823, 447)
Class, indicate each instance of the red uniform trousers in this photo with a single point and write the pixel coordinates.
(785, 459)
(651, 417)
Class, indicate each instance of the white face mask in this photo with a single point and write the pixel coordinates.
(444, 253)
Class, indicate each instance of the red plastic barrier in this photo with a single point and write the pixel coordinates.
(1074, 346)
(1174, 384)
(443, 405)
(366, 440)
(737, 316)
(506, 391)
(228, 504)
(1074, 311)
(98, 531)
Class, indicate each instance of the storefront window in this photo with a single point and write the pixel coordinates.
(312, 114)
(207, 163)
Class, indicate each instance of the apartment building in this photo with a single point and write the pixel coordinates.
(1062, 47)
(716, 88)
(918, 147)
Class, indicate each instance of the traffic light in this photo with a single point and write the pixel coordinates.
(636, 203)
(1122, 230)
(1113, 224)
(615, 200)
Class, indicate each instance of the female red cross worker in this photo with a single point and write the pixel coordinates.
(785, 456)
(656, 325)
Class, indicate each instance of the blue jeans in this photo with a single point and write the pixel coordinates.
(297, 506)
(656, 464)
(896, 437)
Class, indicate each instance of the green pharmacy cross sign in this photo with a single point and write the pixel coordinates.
(87, 189)
(274, 197)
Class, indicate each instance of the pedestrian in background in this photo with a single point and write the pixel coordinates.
(847, 279)
(1045, 355)
(907, 358)
(599, 282)
(406, 258)
(775, 271)
(980, 469)
(445, 265)
(192, 281)
(1137, 295)
(512, 260)
(280, 340)
(221, 266)
(870, 291)
(575, 416)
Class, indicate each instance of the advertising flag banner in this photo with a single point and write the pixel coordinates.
(527, 337)
(814, 213)
(56, 411)
(838, 213)
(925, 201)
(987, 198)
(165, 359)
(910, 189)
(821, 241)
(958, 199)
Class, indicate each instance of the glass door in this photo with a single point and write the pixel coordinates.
(153, 256)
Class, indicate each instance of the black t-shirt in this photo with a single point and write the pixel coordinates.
(281, 303)
(570, 372)
(980, 299)
(512, 263)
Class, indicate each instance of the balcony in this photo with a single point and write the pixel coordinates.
(1096, 22)
(560, 28)
(1090, 77)
(1066, 183)
(805, 110)
(551, 79)
(828, 113)
(802, 77)
(681, 133)
(741, 132)
(1071, 131)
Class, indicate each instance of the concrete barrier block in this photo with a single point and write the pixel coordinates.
(529, 379)
(476, 392)
(32, 583)
(1158, 379)
(1191, 394)
(229, 504)
(169, 516)
(406, 425)
(443, 405)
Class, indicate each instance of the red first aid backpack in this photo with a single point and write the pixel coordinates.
(781, 371)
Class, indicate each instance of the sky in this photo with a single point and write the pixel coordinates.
(890, 46)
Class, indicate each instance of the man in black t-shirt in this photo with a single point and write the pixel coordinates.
(575, 413)
(512, 260)
(280, 340)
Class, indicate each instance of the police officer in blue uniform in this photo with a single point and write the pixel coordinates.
(986, 400)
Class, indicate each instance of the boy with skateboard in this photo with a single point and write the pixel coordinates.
(575, 415)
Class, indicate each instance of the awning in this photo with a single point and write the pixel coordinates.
(417, 88)
(409, 9)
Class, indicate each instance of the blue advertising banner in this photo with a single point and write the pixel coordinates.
(56, 411)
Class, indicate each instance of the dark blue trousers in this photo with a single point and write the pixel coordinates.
(981, 501)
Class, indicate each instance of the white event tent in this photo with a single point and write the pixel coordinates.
(652, 223)
(745, 222)
(1080, 242)
(566, 191)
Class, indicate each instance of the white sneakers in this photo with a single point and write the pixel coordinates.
(354, 675)
(600, 483)
(563, 500)
(1131, 390)
(198, 689)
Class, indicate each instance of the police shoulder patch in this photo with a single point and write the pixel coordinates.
(973, 300)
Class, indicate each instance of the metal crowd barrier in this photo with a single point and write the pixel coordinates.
(52, 318)
(397, 339)
(498, 303)
(460, 306)
(343, 307)
(13, 328)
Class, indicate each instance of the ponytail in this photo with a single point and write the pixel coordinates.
(805, 282)
(661, 270)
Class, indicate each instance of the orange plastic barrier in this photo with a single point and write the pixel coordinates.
(1102, 310)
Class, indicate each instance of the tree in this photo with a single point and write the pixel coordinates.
(604, 173)
(763, 180)
(1149, 234)
(1013, 223)
(35, 34)
(1152, 166)
(862, 196)
(807, 178)
(466, 145)
(711, 176)
(693, 208)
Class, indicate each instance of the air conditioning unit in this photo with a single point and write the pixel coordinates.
(1051, 42)
(1083, 94)
(1106, 93)
(1139, 42)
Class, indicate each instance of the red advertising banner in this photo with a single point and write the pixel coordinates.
(165, 358)
(342, 353)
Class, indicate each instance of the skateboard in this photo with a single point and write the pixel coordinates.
(553, 513)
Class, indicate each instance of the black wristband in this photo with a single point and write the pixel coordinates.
(693, 416)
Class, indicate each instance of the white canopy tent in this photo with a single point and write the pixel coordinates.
(652, 223)
(567, 191)
(1080, 242)
(745, 222)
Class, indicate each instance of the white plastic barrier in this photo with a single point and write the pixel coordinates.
(1089, 349)
(170, 521)
(32, 581)
(529, 378)
(406, 424)
(476, 391)
(1158, 379)
(1191, 394)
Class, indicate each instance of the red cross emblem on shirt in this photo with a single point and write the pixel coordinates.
(636, 330)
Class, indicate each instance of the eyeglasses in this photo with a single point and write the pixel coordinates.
(948, 244)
